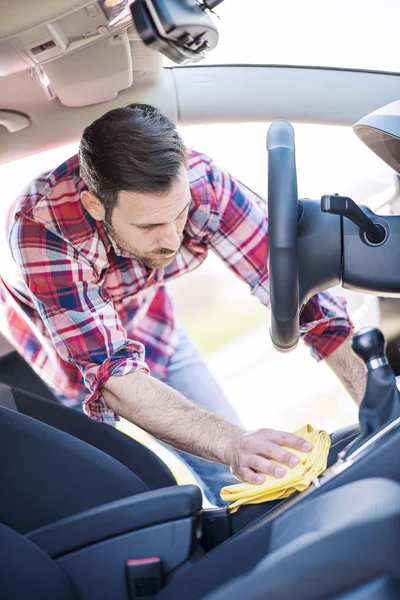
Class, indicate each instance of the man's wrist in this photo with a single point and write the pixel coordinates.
(228, 444)
(350, 369)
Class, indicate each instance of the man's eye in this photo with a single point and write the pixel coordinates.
(145, 228)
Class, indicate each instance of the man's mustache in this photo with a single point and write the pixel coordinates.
(163, 252)
(166, 251)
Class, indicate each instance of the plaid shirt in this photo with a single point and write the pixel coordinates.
(80, 309)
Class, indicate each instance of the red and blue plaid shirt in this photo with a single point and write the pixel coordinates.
(80, 309)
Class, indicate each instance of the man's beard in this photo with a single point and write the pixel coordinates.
(151, 260)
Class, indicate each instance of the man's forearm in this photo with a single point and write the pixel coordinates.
(350, 369)
(166, 414)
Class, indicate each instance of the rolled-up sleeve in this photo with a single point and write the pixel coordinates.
(76, 310)
(238, 230)
(325, 324)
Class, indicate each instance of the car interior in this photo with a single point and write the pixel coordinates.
(87, 512)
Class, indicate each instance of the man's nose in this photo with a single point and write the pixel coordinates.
(170, 238)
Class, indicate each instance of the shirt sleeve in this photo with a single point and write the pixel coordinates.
(237, 231)
(77, 311)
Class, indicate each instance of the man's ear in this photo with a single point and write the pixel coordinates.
(93, 205)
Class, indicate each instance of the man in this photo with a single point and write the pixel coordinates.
(95, 241)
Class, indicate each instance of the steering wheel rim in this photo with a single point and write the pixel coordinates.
(282, 254)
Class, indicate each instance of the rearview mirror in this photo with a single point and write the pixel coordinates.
(179, 29)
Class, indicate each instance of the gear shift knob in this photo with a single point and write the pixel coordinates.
(370, 345)
(381, 402)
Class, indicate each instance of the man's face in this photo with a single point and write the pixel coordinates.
(150, 227)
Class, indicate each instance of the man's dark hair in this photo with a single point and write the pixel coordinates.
(134, 148)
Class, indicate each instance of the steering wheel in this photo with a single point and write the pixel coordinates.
(283, 216)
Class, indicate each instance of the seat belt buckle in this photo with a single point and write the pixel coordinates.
(144, 577)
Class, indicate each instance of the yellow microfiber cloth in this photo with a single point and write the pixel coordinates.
(298, 479)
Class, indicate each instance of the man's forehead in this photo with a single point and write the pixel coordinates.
(152, 201)
(143, 206)
(178, 185)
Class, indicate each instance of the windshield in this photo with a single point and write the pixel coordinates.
(359, 34)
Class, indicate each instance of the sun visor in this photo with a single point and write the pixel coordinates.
(84, 79)
(380, 131)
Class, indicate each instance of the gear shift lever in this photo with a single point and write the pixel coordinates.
(381, 403)
(370, 345)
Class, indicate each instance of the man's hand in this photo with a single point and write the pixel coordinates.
(249, 454)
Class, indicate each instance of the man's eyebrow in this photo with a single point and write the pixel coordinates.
(143, 225)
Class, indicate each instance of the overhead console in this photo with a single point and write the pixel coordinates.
(70, 30)
(45, 45)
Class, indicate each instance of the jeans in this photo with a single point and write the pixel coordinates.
(189, 375)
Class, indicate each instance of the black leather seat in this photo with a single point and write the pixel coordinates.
(47, 475)
(146, 465)
(34, 398)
